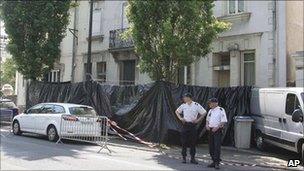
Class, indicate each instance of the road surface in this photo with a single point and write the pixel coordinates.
(36, 153)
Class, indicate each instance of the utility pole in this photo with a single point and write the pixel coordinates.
(89, 63)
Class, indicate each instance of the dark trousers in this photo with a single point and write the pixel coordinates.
(188, 139)
(215, 145)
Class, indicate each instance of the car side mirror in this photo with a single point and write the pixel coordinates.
(297, 115)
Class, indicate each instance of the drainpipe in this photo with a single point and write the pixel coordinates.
(75, 43)
(274, 27)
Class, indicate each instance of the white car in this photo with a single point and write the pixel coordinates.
(52, 119)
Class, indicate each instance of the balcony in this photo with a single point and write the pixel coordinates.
(117, 43)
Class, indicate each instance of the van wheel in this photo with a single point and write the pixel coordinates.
(259, 140)
(16, 128)
(52, 133)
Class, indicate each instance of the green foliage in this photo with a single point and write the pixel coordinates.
(8, 72)
(35, 30)
(171, 34)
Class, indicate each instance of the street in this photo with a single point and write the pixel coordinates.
(36, 153)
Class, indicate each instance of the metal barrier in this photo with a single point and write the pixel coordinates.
(6, 121)
(91, 129)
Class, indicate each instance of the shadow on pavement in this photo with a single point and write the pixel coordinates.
(38, 147)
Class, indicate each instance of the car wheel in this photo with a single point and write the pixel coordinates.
(260, 143)
(16, 128)
(52, 133)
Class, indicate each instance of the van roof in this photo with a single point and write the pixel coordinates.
(295, 89)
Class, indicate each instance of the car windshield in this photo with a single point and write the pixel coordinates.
(7, 105)
(82, 111)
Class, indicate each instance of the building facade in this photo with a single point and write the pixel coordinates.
(258, 50)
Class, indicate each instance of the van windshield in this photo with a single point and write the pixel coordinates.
(82, 111)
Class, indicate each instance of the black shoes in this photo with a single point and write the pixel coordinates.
(211, 165)
(216, 166)
(193, 161)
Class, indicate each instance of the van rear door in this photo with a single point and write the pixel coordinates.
(291, 131)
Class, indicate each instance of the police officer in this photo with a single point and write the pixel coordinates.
(215, 121)
(193, 113)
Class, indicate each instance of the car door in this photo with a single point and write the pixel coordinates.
(291, 131)
(44, 117)
(28, 120)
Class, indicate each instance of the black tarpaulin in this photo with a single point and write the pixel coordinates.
(145, 110)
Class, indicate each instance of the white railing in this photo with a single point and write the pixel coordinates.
(6, 122)
(91, 129)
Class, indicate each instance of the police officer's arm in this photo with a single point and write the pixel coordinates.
(223, 118)
(202, 113)
(178, 111)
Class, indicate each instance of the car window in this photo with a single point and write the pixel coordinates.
(48, 108)
(7, 105)
(35, 109)
(82, 111)
(292, 103)
(58, 109)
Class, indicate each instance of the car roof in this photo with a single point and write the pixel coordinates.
(67, 104)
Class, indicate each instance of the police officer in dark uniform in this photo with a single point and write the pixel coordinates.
(215, 121)
(193, 113)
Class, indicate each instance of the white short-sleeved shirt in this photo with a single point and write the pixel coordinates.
(191, 111)
(216, 116)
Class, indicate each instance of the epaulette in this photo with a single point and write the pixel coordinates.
(221, 108)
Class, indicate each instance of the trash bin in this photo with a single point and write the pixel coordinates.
(242, 131)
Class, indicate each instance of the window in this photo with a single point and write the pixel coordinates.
(47, 109)
(101, 71)
(249, 69)
(35, 109)
(58, 109)
(52, 76)
(236, 6)
(82, 110)
(292, 103)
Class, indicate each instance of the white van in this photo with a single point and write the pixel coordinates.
(278, 115)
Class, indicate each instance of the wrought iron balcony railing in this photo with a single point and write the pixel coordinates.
(117, 42)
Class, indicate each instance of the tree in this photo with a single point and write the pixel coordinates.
(8, 72)
(171, 34)
(35, 30)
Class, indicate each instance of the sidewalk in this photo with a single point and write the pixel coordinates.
(230, 155)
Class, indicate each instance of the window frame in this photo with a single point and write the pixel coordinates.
(296, 101)
(236, 7)
(242, 61)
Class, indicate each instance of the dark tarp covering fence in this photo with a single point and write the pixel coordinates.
(145, 110)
